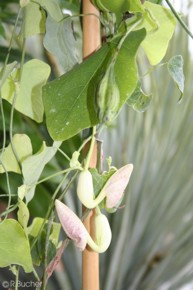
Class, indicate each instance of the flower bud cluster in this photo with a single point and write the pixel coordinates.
(110, 195)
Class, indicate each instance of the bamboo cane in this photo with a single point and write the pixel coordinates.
(91, 42)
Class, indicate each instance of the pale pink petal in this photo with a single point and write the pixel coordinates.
(72, 225)
(115, 186)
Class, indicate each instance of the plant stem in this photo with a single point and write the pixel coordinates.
(10, 209)
(57, 174)
(49, 210)
(63, 153)
(36, 275)
(52, 202)
(46, 251)
(84, 143)
(90, 152)
(182, 23)
(67, 186)
(17, 279)
(2, 78)
(14, 102)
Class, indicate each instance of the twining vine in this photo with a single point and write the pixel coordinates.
(90, 94)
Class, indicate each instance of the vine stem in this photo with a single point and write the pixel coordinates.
(182, 23)
(91, 42)
(50, 221)
(13, 107)
(2, 109)
(90, 152)
(50, 208)
(56, 174)
(17, 279)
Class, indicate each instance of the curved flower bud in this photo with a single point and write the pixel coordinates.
(72, 225)
(108, 97)
(76, 231)
(103, 234)
(115, 186)
(85, 190)
(113, 190)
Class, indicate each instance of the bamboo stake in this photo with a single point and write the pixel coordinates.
(91, 29)
(91, 42)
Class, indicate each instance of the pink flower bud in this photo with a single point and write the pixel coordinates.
(115, 186)
(72, 225)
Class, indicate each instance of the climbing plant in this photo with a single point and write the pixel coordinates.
(83, 98)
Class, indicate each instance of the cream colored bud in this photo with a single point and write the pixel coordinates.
(85, 190)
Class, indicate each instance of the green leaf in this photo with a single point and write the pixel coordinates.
(99, 180)
(34, 229)
(14, 246)
(29, 91)
(69, 106)
(155, 1)
(33, 166)
(33, 20)
(119, 6)
(52, 7)
(23, 214)
(126, 72)
(156, 42)
(38, 251)
(133, 6)
(175, 68)
(139, 101)
(40, 203)
(59, 40)
(23, 148)
(5, 73)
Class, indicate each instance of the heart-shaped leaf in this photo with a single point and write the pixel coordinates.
(23, 148)
(14, 246)
(32, 168)
(29, 91)
(159, 31)
(6, 72)
(69, 105)
(125, 69)
(33, 20)
(52, 7)
(59, 40)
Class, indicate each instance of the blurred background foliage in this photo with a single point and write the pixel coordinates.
(152, 246)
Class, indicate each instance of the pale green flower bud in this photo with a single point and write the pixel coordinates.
(85, 190)
(103, 233)
(108, 97)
